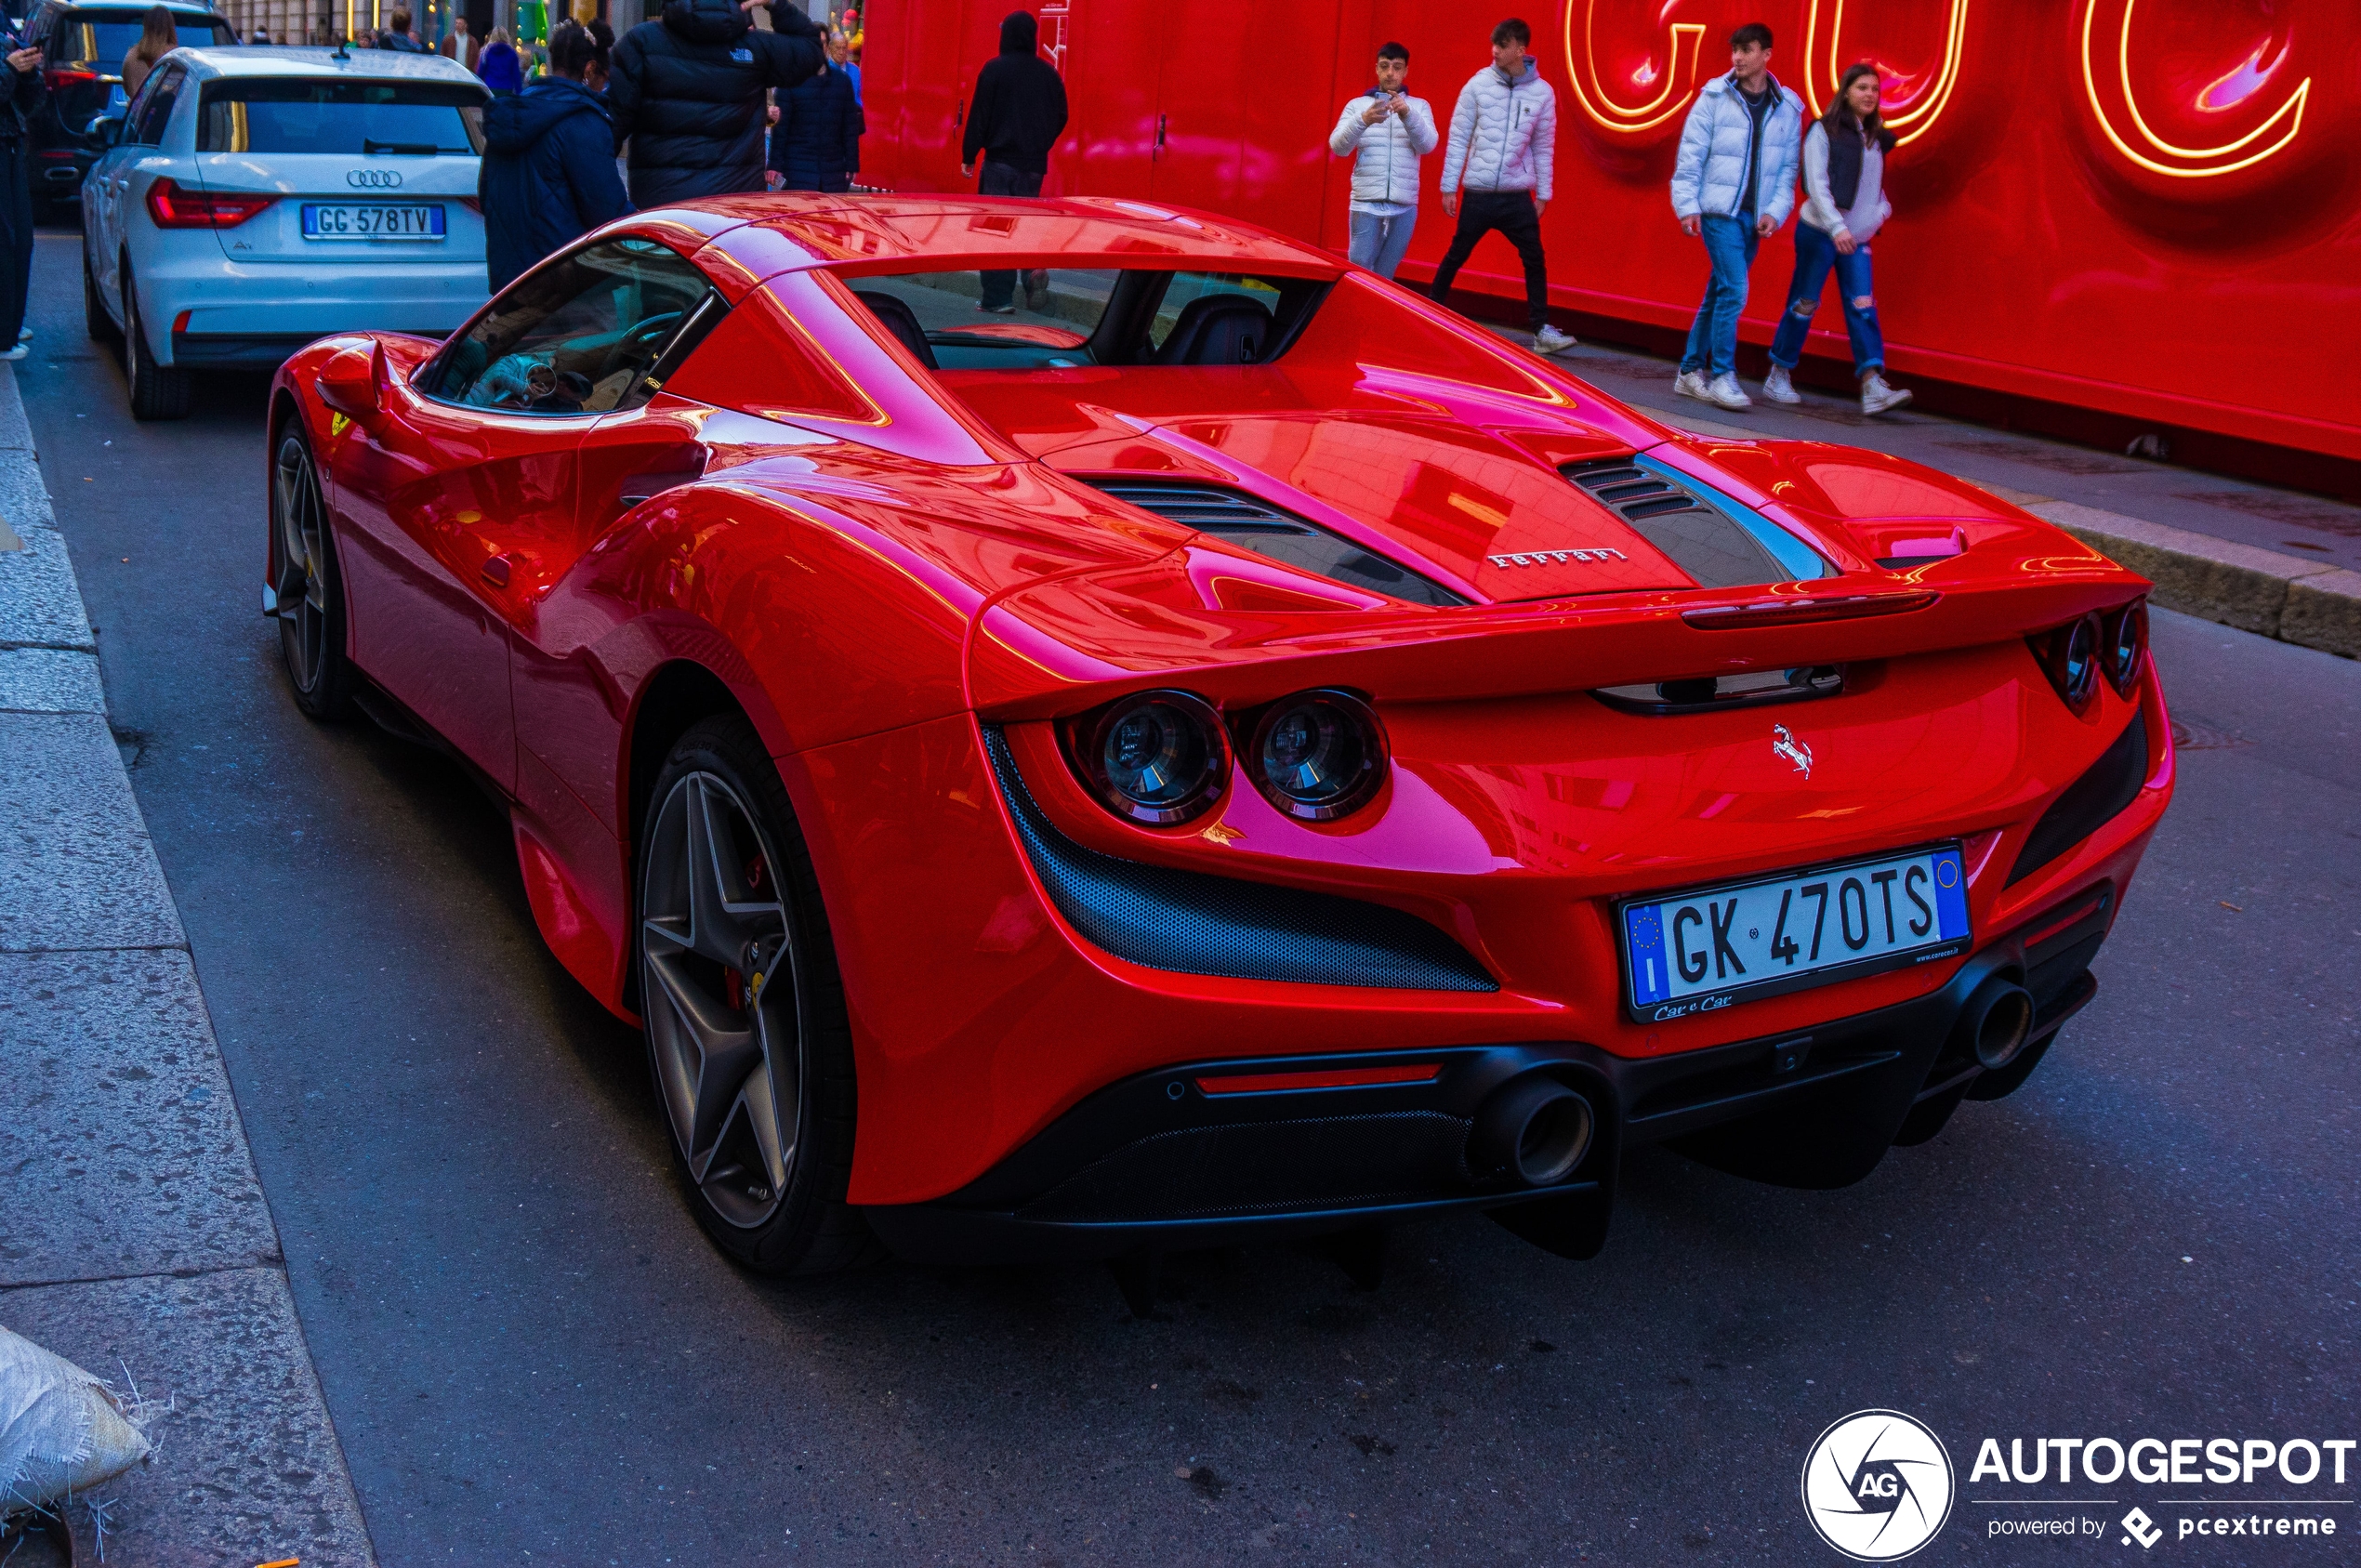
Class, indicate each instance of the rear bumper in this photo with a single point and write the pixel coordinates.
(224, 313)
(236, 352)
(1156, 1162)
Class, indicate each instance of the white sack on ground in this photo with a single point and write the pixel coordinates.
(61, 1431)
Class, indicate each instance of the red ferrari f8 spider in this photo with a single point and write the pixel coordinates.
(1219, 748)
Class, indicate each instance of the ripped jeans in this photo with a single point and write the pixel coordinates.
(1815, 257)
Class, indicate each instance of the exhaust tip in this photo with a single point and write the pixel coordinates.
(2001, 1013)
(1536, 1128)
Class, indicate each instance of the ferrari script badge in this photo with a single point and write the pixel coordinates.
(1795, 751)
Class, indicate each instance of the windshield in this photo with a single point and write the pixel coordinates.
(1061, 316)
(105, 43)
(347, 118)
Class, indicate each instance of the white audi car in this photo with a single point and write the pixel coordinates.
(250, 199)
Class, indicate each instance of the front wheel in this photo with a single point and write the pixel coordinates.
(748, 1036)
(303, 576)
(157, 391)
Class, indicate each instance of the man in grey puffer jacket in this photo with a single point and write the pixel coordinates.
(1732, 186)
(1501, 163)
(1385, 131)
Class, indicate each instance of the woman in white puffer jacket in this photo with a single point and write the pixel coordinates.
(1845, 206)
(1385, 132)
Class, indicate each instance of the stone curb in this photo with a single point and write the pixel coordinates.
(2307, 603)
(135, 1238)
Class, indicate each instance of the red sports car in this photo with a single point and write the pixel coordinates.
(1214, 746)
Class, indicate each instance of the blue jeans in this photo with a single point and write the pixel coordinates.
(1713, 339)
(1815, 256)
(1378, 242)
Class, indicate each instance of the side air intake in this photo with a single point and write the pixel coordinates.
(1711, 537)
(1189, 922)
(1238, 519)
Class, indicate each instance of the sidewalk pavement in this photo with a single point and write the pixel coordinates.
(2275, 561)
(134, 1237)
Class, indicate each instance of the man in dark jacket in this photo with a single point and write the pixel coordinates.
(548, 176)
(816, 144)
(26, 90)
(690, 92)
(1020, 112)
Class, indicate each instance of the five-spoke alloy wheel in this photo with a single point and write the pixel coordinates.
(309, 607)
(745, 1013)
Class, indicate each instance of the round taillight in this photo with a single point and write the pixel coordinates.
(2126, 644)
(2074, 660)
(1160, 757)
(1318, 754)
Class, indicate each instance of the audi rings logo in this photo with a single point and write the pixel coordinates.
(374, 180)
(1878, 1485)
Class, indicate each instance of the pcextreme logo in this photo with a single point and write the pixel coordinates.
(1878, 1485)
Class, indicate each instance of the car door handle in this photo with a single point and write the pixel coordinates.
(646, 487)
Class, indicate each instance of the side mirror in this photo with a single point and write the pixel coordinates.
(352, 383)
(104, 131)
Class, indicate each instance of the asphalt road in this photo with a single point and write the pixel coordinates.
(529, 1353)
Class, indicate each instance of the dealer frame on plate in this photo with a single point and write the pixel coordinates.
(1653, 997)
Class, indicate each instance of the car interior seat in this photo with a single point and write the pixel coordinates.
(1218, 329)
(901, 321)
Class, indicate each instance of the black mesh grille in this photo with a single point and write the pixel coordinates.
(2091, 801)
(1251, 525)
(1700, 539)
(1259, 1167)
(1189, 922)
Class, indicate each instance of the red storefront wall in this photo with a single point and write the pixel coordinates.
(2147, 207)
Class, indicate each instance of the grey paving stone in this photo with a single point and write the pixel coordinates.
(247, 1467)
(50, 681)
(122, 1151)
(16, 430)
(76, 869)
(2324, 613)
(40, 605)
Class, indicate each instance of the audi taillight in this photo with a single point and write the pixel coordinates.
(176, 206)
(60, 77)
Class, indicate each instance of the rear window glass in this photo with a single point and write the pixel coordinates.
(1065, 316)
(347, 118)
(107, 41)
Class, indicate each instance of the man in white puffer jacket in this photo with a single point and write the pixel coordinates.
(1501, 165)
(1385, 132)
(1732, 185)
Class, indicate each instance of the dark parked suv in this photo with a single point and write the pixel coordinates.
(83, 47)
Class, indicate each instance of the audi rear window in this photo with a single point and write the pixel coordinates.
(346, 118)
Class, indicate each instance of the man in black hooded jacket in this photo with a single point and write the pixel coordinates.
(689, 93)
(1019, 114)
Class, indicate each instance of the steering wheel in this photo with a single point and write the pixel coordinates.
(637, 346)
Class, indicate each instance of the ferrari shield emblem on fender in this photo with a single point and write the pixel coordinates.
(1784, 744)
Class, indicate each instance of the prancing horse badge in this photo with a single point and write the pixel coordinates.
(1795, 751)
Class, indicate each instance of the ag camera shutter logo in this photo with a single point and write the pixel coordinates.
(1878, 1485)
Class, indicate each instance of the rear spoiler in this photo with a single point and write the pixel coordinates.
(1068, 645)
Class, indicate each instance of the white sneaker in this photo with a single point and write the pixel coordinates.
(1877, 396)
(1778, 388)
(19, 351)
(25, 334)
(1550, 340)
(1726, 391)
(1691, 383)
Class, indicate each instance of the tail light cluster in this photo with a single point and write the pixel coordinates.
(174, 205)
(2114, 644)
(1165, 757)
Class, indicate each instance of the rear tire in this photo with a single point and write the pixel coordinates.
(157, 391)
(748, 1040)
(303, 574)
(94, 308)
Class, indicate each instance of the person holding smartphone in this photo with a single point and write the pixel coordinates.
(28, 89)
(1385, 132)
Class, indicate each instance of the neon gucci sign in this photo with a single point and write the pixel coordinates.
(1672, 97)
(1909, 121)
(2153, 153)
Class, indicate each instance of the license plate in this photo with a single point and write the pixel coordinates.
(371, 221)
(1707, 948)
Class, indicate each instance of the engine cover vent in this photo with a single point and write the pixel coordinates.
(1251, 523)
(1706, 535)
